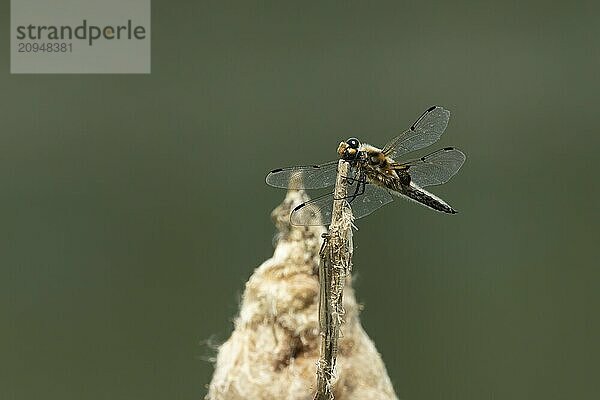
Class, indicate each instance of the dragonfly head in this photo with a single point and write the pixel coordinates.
(348, 150)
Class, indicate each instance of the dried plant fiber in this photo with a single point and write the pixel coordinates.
(274, 348)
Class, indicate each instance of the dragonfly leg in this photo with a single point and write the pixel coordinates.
(359, 190)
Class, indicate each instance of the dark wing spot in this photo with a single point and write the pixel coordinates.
(277, 170)
(431, 108)
(299, 207)
(448, 148)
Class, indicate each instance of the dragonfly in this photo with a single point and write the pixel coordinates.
(376, 178)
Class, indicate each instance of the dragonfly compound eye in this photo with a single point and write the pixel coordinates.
(353, 143)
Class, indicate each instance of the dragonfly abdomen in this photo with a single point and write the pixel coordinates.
(427, 199)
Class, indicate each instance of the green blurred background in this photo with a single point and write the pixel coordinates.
(134, 208)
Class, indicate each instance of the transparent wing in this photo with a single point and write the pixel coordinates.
(304, 177)
(435, 168)
(424, 132)
(373, 198)
(314, 212)
(364, 198)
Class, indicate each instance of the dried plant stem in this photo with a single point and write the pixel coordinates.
(275, 344)
(334, 268)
